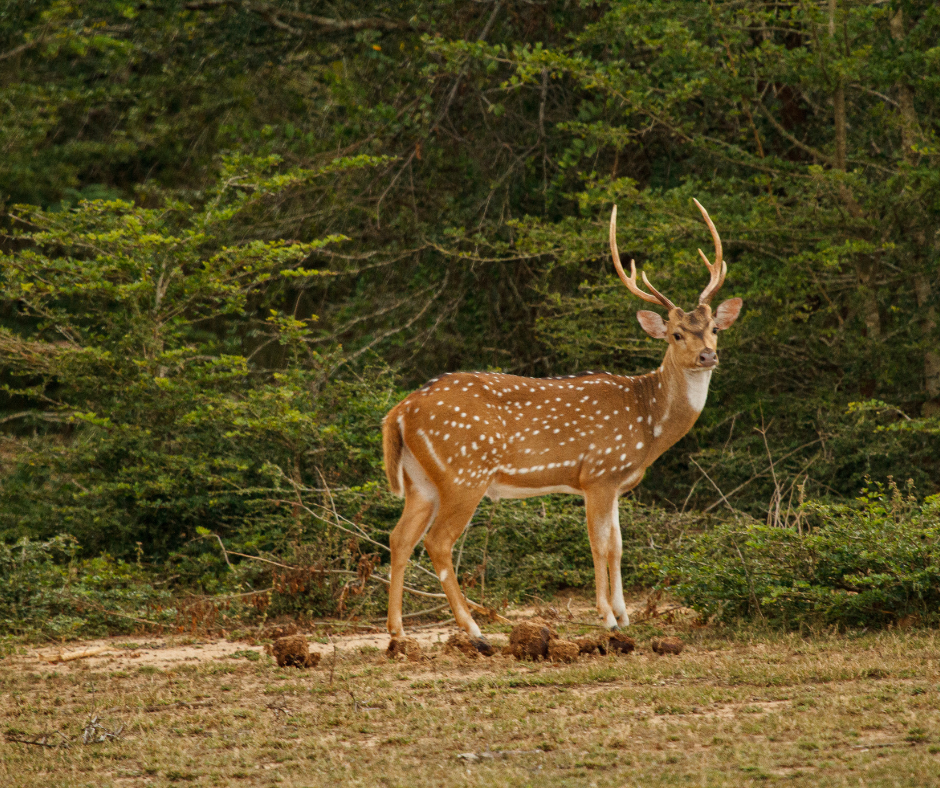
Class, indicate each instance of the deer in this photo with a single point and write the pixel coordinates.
(466, 435)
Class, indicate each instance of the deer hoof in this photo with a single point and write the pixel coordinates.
(483, 646)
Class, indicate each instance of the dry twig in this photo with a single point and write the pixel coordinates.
(36, 739)
(60, 657)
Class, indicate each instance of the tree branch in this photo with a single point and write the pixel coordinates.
(276, 16)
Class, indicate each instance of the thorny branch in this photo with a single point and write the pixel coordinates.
(317, 570)
(276, 15)
(443, 111)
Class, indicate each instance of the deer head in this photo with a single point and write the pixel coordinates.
(692, 336)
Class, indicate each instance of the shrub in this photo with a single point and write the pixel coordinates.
(47, 591)
(870, 563)
(135, 364)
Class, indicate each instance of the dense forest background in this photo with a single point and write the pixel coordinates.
(235, 233)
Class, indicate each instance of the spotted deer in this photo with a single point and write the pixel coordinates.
(466, 435)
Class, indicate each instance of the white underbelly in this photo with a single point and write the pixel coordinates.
(498, 490)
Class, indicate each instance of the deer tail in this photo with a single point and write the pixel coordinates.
(392, 444)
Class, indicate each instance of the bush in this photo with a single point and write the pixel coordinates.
(871, 563)
(47, 591)
(135, 362)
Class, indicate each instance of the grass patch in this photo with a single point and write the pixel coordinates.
(737, 708)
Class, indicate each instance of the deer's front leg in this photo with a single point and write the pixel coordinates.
(614, 555)
(606, 548)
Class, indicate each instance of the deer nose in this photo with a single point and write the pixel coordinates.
(707, 358)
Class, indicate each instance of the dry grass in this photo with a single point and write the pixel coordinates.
(733, 709)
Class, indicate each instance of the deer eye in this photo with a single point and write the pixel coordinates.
(677, 337)
(715, 330)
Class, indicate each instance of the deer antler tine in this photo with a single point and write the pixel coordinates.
(630, 281)
(711, 227)
(718, 269)
(662, 299)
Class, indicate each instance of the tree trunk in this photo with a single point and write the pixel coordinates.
(922, 286)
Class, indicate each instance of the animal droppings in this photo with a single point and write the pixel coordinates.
(461, 642)
(667, 645)
(530, 639)
(293, 652)
(588, 644)
(404, 648)
(617, 641)
(563, 650)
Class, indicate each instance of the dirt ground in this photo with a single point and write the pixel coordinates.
(166, 653)
(736, 707)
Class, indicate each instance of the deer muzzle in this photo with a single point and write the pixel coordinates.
(708, 359)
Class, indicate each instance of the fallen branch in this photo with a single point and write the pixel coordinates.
(180, 704)
(426, 611)
(96, 733)
(100, 609)
(657, 614)
(489, 755)
(36, 739)
(486, 611)
(60, 657)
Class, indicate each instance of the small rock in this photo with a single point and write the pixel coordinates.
(667, 645)
(617, 641)
(563, 650)
(293, 652)
(402, 648)
(530, 639)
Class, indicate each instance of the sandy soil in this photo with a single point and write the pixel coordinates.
(166, 652)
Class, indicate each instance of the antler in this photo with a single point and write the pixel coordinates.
(630, 281)
(719, 268)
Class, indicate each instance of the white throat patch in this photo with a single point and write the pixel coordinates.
(696, 388)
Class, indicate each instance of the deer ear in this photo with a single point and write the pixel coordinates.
(652, 324)
(728, 312)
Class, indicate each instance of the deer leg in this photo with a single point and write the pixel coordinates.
(601, 507)
(614, 555)
(449, 524)
(418, 513)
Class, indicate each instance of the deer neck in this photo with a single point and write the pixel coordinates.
(675, 399)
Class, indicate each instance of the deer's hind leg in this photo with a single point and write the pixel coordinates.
(421, 504)
(451, 520)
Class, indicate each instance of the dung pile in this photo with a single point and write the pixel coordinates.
(530, 639)
(563, 650)
(536, 639)
(404, 648)
(617, 641)
(667, 645)
(588, 644)
(461, 642)
(293, 652)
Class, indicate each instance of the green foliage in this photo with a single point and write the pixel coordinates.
(137, 328)
(867, 564)
(241, 230)
(47, 591)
